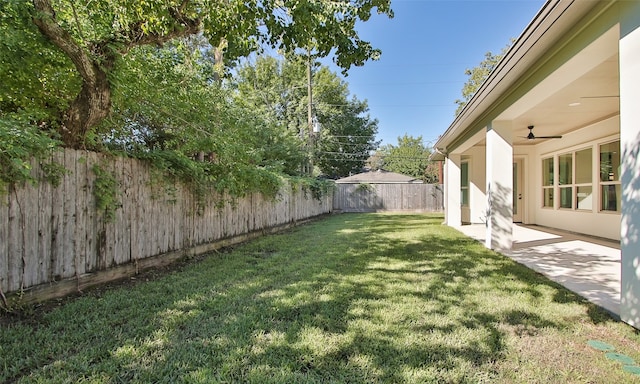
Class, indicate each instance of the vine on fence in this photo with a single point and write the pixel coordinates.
(105, 191)
(233, 180)
(19, 144)
(317, 187)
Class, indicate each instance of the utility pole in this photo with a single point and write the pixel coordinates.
(218, 64)
(310, 112)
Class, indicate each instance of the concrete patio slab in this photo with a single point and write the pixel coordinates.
(585, 265)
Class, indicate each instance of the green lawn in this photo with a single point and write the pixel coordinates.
(348, 299)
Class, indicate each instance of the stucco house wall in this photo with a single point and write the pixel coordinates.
(591, 222)
(474, 213)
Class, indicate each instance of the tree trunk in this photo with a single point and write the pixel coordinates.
(93, 103)
(94, 60)
(90, 107)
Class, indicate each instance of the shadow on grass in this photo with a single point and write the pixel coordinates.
(355, 298)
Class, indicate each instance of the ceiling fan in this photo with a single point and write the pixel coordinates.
(531, 136)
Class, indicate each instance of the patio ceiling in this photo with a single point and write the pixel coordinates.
(582, 91)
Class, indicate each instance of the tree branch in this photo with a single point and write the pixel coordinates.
(187, 27)
(45, 19)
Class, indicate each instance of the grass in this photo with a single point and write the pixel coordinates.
(349, 299)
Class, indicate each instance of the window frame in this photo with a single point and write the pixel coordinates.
(615, 183)
(549, 186)
(568, 183)
(464, 184)
(577, 185)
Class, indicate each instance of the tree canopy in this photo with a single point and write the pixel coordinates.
(154, 79)
(410, 157)
(346, 139)
(82, 46)
(477, 75)
(278, 89)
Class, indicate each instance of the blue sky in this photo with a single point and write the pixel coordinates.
(426, 49)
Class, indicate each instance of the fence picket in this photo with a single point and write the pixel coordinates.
(44, 230)
(29, 212)
(56, 225)
(4, 239)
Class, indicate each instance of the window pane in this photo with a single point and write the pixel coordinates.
(610, 161)
(464, 174)
(584, 198)
(565, 197)
(583, 166)
(464, 197)
(610, 197)
(565, 169)
(548, 197)
(547, 171)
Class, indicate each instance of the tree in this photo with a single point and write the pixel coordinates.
(410, 157)
(37, 79)
(198, 119)
(346, 140)
(477, 76)
(96, 36)
(278, 90)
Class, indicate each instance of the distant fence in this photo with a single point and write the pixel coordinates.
(53, 238)
(388, 197)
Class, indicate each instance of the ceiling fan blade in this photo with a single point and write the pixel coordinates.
(531, 136)
(599, 97)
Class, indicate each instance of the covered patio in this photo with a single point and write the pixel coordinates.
(552, 139)
(586, 265)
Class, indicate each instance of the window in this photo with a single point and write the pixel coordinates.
(565, 180)
(575, 180)
(584, 179)
(610, 191)
(464, 184)
(547, 182)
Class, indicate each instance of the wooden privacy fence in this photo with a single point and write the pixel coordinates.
(388, 197)
(54, 239)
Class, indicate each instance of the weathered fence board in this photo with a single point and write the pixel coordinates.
(55, 237)
(388, 197)
(69, 216)
(29, 212)
(56, 224)
(4, 240)
(15, 254)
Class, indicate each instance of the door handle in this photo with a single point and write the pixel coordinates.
(519, 196)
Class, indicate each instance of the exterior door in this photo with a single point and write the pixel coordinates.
(517, 191)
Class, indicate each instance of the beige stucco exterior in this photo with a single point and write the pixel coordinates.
(574, 72)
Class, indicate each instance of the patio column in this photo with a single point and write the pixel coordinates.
(452, 212)
(630, 159)
(499, 186)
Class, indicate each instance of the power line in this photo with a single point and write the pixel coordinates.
(342, 160)
(372, 155)
(350, 136)
(370, 106)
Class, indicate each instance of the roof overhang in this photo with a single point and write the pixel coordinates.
(542, 49)
(437, 155)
